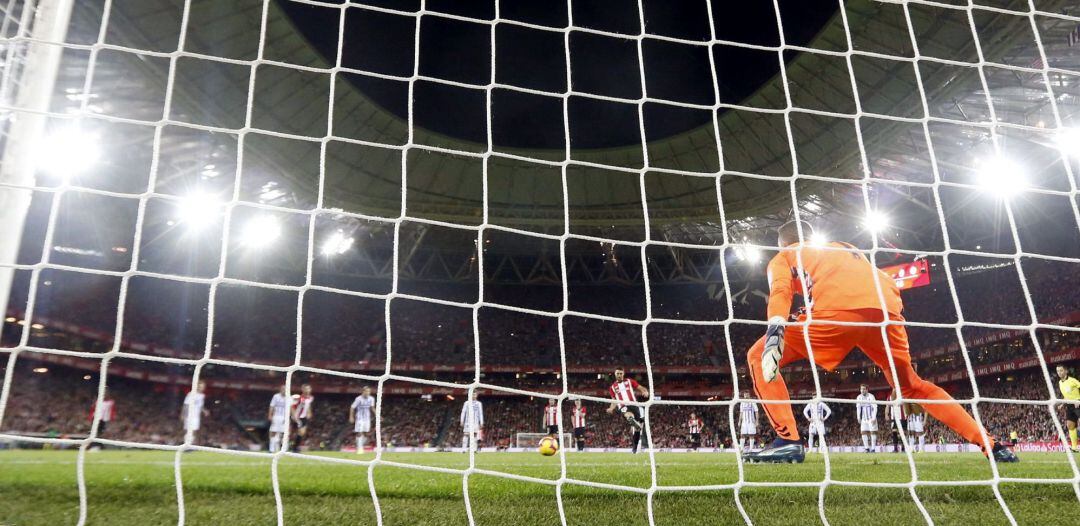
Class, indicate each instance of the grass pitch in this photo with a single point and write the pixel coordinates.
(138, 487)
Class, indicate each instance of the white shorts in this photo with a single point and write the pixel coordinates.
(191, 424)
(816, 428)
(748, 428)
(915, 426)
(279, 425)
(868, 426)
(362, 426)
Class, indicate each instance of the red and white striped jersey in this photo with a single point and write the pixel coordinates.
(303, 406)
(107, 410)
(551, 415)
(624, 391)
(578, 416)
(694, 424)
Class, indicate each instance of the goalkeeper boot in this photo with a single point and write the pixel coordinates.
(779, 451)
(1002, 453)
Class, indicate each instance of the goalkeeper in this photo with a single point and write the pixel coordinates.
(840, 287)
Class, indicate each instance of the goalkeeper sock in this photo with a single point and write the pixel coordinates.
(1073, 437)
(274, 441)
(465, 441)
(865, 442)
(810, 440)
(922, 442)
(873, 442)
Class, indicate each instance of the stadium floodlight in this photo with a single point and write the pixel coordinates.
(198, 209)
(748, 253)
(1068, 139)
(875, 221)
(818, 239)
(1001, 177)
(68, 152)
(337, 243)
(261, 231)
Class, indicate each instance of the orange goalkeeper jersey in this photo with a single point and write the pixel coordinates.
(836, 280)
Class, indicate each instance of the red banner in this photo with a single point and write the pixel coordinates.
(910, 275)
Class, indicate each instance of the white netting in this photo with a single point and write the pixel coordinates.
(22, 39)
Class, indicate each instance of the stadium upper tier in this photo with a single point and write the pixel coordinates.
(362, 166)
(435, 341)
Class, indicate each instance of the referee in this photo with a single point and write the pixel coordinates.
(1070, 391)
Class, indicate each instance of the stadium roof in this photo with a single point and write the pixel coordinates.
(289, 114)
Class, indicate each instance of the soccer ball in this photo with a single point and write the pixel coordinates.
(548, 446)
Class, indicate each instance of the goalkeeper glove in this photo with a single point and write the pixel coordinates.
(774, 349)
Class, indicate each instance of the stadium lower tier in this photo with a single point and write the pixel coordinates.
(57, 401)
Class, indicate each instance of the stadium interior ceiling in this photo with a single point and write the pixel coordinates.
(284, 158)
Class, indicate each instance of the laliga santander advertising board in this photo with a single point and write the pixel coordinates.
(909, 275)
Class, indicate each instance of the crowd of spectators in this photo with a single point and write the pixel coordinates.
(259, 325)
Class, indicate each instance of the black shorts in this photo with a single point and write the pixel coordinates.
(1071, 413)
(579, 432)
(302, 423)
(695, 437)
(634, 410)
(553, 430)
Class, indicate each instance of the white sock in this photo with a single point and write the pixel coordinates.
(465, 441)
(810, 440)
(873, 442)
(865, 442)
(922, 442)
(274, 441)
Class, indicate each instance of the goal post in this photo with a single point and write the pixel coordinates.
(32, 57)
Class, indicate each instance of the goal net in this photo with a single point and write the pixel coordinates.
(387, 211)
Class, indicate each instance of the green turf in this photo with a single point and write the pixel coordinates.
(138, 487)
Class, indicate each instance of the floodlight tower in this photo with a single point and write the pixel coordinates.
(27, 79)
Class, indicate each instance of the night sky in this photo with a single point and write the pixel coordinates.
(460, 51)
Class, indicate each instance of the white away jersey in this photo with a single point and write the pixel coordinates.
(280, 404)
(362, 407)
(194, 402)
(867, 410)
(817, 412)
(472, 415)
(748, 412)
